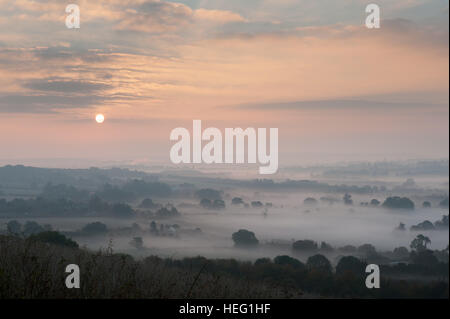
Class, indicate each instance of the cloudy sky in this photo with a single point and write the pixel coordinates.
(335, 89)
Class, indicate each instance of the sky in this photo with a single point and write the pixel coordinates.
(334, 89)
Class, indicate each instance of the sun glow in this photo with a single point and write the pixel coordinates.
(99, 118)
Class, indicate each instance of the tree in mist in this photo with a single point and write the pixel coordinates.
(310, 201)
(206, 203)
(425, 225)
(401, 226)
(443, 223)
(319, 262)
(397, 202)
(305, 245)
(348, 199)
(326, 247)
(262, 261)
(218, 204)
(244, 238)
(257, 204)
(426, 204)
(167, 211)
(375, 202)
(420, 243)
(95, 228)
(288, 260)
(212, 204)
(350, 264)
(237, 201)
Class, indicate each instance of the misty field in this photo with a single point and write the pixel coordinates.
(136, 234)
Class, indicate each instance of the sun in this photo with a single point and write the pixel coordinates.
(99, 118)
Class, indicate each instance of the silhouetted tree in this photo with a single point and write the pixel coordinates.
(244, 237)
(420, 243)
(304, 245)
(348, 199)
(319, 262)
(237, 201)
(326, 247)
(310, 201)
(257, 204)
(425, 225)
(398, 203)
(375, 202)
(350, 264)
(443, 223)
(426, 204)
(288, 260)
(95, 228)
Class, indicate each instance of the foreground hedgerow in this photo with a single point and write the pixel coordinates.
(32, 269)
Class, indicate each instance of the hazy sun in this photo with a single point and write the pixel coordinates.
(99, 118)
